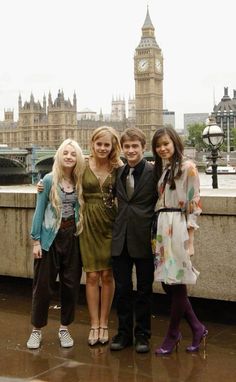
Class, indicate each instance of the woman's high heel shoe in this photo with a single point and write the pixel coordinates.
(200, 337)
(93, 336)
(103, 335)
(169, 345)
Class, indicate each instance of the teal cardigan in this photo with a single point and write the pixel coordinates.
(45, 224)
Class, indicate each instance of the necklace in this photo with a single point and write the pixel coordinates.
(67, 184)
(101, 178)
(100, 171)
(108, 197)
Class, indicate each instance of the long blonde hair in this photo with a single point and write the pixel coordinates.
(114, 156)
(77, 173)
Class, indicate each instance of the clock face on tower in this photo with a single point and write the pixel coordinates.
(158, 65)
(143, 65)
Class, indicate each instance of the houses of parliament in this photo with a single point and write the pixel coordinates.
(48, 123)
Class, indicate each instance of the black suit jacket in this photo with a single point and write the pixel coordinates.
(134, 218)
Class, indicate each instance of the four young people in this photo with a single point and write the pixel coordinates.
(116, 238)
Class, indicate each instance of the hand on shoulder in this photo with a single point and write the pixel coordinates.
(120, 163)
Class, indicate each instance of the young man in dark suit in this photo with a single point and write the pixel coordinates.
(131, 243)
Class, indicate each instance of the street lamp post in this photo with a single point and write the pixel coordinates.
(214, 157)
(227, 121)
(213, 137)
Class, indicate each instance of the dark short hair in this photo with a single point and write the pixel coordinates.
(132, 134)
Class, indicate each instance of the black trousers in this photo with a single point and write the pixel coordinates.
(127, 308)
(63, 259)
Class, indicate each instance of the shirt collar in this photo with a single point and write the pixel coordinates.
(138, 168)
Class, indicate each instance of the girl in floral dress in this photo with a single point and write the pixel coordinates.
(172, 238)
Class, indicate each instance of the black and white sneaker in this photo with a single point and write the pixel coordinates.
(65, 338)
(35, 339)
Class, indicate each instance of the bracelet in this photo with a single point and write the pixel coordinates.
(36, 244)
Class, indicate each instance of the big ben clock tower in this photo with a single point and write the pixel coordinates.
(148, 74)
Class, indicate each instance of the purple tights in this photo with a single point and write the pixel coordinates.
(180, 307)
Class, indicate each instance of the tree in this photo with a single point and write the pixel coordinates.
(233, 134)
(195, 135)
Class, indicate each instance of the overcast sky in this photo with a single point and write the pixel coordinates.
(88, 47)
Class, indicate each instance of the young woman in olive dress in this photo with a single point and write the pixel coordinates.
(95, 240)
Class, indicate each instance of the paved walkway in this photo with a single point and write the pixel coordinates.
(98, 364)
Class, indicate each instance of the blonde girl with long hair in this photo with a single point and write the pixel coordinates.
(95, 241)
(57, 222)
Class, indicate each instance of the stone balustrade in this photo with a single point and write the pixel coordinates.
(215, 241)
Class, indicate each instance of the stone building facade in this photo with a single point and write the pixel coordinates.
(42, 125)
(148, 74)
(47, 124)
(225, 115)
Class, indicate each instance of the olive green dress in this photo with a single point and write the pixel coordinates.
(99, 215)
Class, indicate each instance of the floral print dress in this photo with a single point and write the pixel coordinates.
(170, 243)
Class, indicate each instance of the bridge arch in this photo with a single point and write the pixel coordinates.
(11, 162)
(44, 159)
(43, 165)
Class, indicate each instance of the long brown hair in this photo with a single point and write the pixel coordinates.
(176, 160)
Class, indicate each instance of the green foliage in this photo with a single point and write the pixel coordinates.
(195, 136)
(223, 147)
(233, 136)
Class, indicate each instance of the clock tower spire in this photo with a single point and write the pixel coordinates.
(148, 74)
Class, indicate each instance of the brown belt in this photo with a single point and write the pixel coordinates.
(66, 223)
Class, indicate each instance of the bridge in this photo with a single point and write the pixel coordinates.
(25, 163)
(29, 163)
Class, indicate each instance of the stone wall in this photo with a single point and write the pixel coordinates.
(16, 212)
(215, 241)
(215, 247)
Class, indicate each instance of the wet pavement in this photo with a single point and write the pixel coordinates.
(89, 364)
